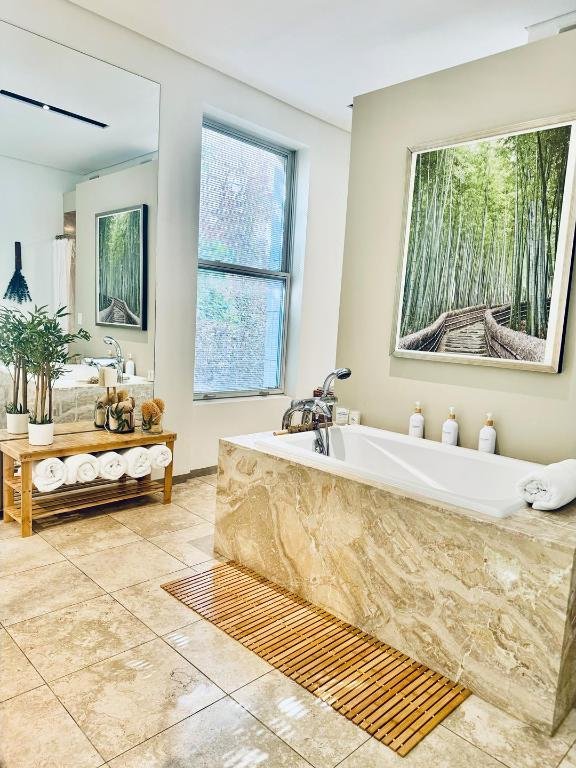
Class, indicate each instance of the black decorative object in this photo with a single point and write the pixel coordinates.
(18, 287)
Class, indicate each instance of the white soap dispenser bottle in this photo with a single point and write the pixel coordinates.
(487, 436)
(416, 423)
(129, 366)
(450, 429)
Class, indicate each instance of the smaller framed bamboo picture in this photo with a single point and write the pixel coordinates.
(488, 249)
(122, 267)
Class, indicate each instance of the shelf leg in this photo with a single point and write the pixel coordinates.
(7, 492)
(26, 499)
(168, 476)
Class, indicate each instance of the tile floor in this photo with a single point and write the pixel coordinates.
(100, 667)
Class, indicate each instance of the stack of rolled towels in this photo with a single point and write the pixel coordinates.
(550, 487)
(50, 474)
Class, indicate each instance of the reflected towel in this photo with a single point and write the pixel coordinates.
(48, 474)
(81, 468)
(160, 456)
(138, 462)
(550, 487)
(111, 465)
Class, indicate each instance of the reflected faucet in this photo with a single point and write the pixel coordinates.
(315, 407)
(111, 341)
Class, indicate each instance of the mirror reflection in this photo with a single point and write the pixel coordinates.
(78, 183)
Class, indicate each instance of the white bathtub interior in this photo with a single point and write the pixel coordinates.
(472, 480)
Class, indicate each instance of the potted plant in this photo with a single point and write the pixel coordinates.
(12, 346)
(46, 351)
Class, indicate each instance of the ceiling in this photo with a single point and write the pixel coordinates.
(45, 71)
(318, 54)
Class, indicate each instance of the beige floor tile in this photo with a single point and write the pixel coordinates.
(129, 564)
(122, 701)
(9, 530)
(217, 655)
(42, 734)
(190, 545)
(40, 590)
(221, 736)
(17, 675)
(515, 744)
(17, 554)
(82, 537)
(66, 640)
(570, 759)
(439, 749)
(210, 479)
(310, 726)
(156, 519)
(197, 497)
(155, 607)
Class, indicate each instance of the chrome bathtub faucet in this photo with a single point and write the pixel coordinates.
(316, 411)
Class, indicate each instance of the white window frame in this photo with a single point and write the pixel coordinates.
(238, 269)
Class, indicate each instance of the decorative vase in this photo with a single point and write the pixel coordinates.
(155, 427)
(118, 420)
(17, 423)
(41, 434)
(99, 415)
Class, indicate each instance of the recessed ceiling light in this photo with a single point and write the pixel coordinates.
(51, 108)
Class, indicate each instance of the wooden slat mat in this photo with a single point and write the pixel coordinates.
(386, 693)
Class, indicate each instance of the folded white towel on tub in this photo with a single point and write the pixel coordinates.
(81, 468)
(48, 474)
(138, 462)
(550, 487)
(160, 456)
(112, 465)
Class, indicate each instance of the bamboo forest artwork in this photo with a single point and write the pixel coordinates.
(121, 267)
(488, 251)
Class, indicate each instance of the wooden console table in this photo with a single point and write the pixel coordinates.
(22, 504)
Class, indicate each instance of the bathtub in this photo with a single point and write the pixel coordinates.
(474, 481)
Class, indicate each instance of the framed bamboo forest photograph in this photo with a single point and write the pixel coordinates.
(122, 267)
(488, 248)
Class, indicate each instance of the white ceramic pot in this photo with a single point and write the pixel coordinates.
(17, 423)
(41, 434)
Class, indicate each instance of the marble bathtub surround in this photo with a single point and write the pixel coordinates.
(487, 602)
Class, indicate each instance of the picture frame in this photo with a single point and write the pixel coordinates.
(486, 265)
(122, 267)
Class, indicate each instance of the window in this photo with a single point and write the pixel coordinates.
(243, 264)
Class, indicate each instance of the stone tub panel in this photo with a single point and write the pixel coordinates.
(486, 605)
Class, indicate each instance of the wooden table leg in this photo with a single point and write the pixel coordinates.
(26, 499)
(168, 476)
(7, 491)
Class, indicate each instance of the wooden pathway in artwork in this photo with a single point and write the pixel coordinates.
(467, 340)
(386, 693)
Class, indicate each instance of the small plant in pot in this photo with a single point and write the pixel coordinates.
(46, 353)
(12, 354)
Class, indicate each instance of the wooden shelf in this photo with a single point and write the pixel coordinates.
(71, 498)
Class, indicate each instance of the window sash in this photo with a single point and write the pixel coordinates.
(239, 269)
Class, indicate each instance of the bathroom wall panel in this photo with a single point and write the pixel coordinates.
(534, 412)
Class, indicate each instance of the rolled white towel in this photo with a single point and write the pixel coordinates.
(48, 474)
(81, 468)
(550, 487)
(111, 465)
(138, 462)
(160, 456)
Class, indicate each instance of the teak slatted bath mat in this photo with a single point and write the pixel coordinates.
(386, 693)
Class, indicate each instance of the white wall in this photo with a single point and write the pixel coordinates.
(188, 90)
(534, 412)
(31, 211)
(131, 186)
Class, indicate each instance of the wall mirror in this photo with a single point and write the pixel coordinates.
(78, 185)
